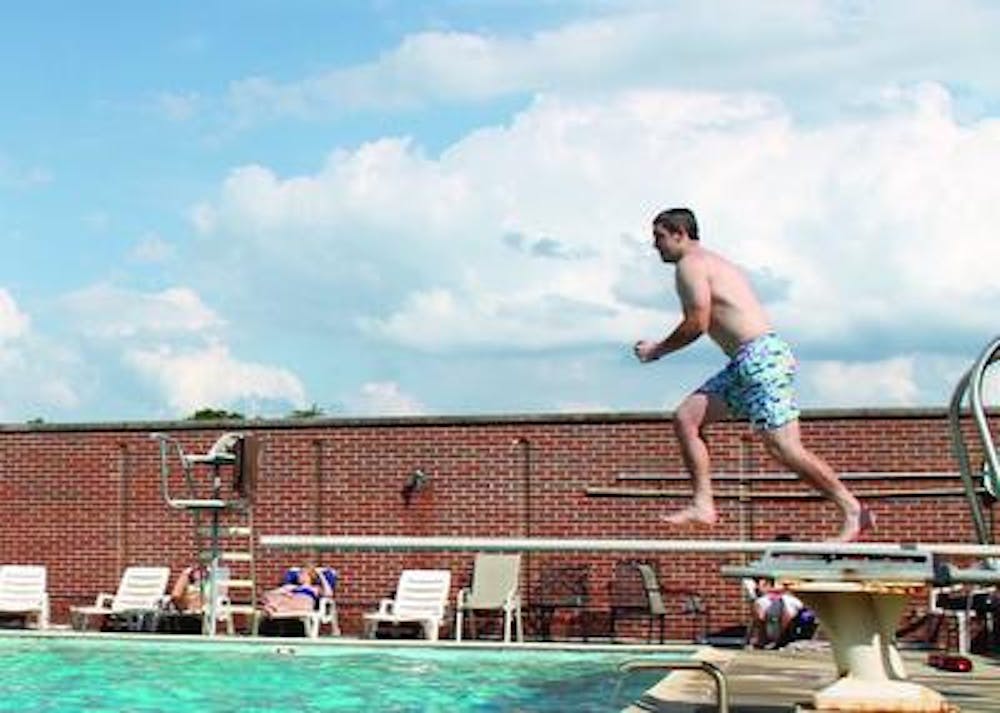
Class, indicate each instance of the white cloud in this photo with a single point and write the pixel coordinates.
(211, 377)
(39, 376)
(879, 225)
(991, 386)
(41, 380)
(13, 322)
(884, 383)
(107, 311)
(169, 340)
(774, 45)
(58, 393)
(151, 248)
(441, 320)
(384, 398)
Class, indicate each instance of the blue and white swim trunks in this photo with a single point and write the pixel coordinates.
(758, 383)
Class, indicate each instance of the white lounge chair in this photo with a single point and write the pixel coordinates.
(141, 591)
(23, 591)
(495, 587)
(325, 612)
(421, 596)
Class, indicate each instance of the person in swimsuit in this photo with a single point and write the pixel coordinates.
(186, 594)
(774, 612)
(300, 592)
(758, 383)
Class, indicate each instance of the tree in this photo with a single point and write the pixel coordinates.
(313, 411)
(215, 414)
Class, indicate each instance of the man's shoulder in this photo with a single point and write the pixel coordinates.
(716, 264)
(714, 257)
(699, 261)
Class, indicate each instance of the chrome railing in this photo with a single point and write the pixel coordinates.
(706, 667)
(971, 386)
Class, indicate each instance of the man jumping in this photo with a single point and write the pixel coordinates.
(758, 383)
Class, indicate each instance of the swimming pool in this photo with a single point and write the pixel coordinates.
(149, 675)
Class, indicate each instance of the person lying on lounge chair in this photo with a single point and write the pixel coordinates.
(300, 592)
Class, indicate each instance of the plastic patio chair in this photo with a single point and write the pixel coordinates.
(141, 592)
(23, 591)
(495, 587)
(421, 596)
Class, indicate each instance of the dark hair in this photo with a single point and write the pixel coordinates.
(677, 220)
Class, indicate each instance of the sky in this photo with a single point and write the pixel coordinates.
(403, 207)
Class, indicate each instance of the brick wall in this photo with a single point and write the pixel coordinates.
(84, 500)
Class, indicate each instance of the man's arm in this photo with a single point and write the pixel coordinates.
(696, 300)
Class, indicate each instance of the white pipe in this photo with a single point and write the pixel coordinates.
(496, 544)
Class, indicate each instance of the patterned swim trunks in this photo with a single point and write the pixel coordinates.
(758, 383)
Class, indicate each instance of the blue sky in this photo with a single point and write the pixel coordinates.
(400, 207)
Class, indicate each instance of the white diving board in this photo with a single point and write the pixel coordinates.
(375, 543)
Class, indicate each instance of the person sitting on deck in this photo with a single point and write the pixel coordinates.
(186, 595)
(776, 614)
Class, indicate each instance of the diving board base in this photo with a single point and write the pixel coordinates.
(859, 598)
(851, 694)
(860, 621)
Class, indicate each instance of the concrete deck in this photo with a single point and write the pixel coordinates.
(784, 681)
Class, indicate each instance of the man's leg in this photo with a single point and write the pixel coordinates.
(785, 445)
(695, 412)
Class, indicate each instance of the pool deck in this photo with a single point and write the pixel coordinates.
(783, 681)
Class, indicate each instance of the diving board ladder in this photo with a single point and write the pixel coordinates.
(222, 512)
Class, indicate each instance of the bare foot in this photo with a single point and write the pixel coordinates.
(694, 514)
(855, 525)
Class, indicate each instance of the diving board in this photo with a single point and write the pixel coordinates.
(377, 543)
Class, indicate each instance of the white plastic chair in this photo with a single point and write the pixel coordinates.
(495, 587)
(23, 591)
(421, 596)
(141, 591)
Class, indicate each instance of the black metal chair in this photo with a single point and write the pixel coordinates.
(635, 593)
(561, 587)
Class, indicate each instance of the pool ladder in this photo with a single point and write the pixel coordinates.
(706, 667)
(970, 387)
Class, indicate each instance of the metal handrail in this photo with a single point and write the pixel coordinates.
(706, 667)
(989, 355)
(165, 443)
(192, 501)
(971, 384)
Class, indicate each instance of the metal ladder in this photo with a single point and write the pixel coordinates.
(970, 387)
(223, 522)
(722, 701)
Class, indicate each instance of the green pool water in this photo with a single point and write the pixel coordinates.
(51, 674)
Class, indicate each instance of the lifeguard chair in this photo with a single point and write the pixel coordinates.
(217, 489)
